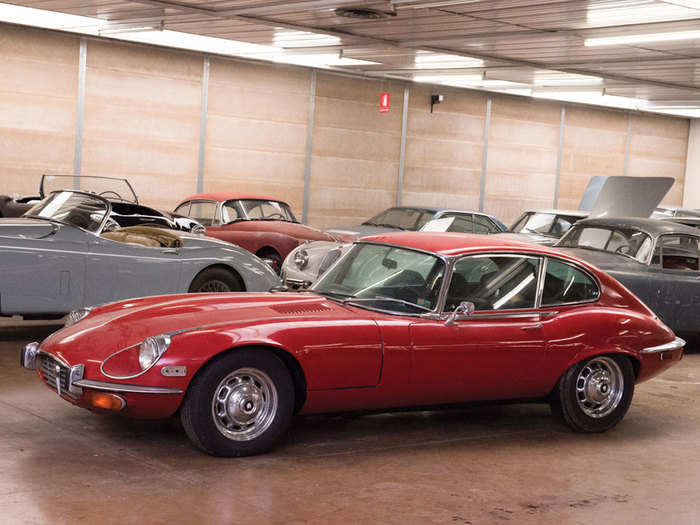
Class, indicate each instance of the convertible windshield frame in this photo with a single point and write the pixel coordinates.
(432, 312)
(98, 230)
(75, 179)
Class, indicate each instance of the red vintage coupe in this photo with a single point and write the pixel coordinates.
(262, 225)
(404, 319)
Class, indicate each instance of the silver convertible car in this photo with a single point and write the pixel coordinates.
(70, 251)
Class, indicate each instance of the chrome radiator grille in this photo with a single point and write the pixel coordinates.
(50, 368)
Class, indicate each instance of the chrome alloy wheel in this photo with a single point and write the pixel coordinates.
(599, 387)
(244, 404)
(214, 285)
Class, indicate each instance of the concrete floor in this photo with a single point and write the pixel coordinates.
(61, 464)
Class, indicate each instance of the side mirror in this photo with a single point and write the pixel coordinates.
(465, 308)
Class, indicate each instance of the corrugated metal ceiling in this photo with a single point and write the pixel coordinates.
(518, 46)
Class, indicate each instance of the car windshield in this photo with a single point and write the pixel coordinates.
(256, 210)
(544, 223)
(385, 278)
(402, 218)
(622, 241)
(107, 187)
(68, 207)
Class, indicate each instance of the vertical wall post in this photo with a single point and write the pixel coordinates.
(627, 142)
(559, 157)
(203, 125)
(484, 158)
(309, 144)
(80, 117)
(402, 154)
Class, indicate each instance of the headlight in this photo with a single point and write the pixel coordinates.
(301, 259)
(77, 315)
(151, 349)
(198, 228)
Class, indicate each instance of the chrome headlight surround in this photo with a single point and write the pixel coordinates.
(151, 349)
(301, 259)
(76, 315)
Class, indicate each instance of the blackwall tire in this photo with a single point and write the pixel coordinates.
(240, 404)
(595, 394)
(215, 280)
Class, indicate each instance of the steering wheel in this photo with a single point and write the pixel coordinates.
(275, 216)
(624, 249)
(104, 193)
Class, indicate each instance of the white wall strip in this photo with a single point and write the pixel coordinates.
(402, 155)
(309, 144)
(203, 126)
(559, 157)
(484, 158)
(80, 116)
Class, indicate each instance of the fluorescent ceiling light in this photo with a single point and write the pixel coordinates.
(320, 60)
(28, 16)
(474, 81)
(430, 60)
(625, 13)
(564, 79)
(291, 38)
(636, 39)
(597, 98)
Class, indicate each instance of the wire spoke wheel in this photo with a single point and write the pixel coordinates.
(244, 404)
(214, 285)
(599, 387)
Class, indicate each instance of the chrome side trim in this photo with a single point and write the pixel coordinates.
(673, 345)
(120, 387)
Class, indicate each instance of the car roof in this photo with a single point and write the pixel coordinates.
(222, 196)
(575, 213)
(450, 243)
(654, 227)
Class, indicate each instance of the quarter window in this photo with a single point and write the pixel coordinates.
(677, 252)
(564, 284)
(484, 225)
(498, 282)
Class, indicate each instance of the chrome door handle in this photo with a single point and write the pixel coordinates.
(532, 327)
(170, 250)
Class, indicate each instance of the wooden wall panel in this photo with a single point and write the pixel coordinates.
(658, 148)
(142, 116)
(444, 149)
(356, 149)
(38, 94)
(522, 156)
(256, 130)
(594, 144)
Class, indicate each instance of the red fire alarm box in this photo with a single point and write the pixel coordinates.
(384, 100)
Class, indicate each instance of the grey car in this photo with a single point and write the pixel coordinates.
(70, 251)
(308, 261)
(658, 260)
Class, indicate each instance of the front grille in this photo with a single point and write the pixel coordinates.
(50, 368)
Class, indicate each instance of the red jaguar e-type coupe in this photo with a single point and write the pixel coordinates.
(262, 225)
(404, 319)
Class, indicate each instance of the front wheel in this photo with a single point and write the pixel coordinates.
(240, 404)
(594, 395)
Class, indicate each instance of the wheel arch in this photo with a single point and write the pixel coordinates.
(230, 269)
(290, 362)
(634, 360)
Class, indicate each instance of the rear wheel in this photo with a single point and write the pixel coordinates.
(215, 280)
(272, 256)
(595, 394)
(240, 404)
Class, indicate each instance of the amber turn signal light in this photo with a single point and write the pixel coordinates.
(102, 401)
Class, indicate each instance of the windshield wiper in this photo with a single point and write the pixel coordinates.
(368, 223)
(351, 300)
(339, 296)
(385, 225)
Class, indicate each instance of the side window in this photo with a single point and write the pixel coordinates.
(184, 209)
(560, 226)
(677, 252)
(498, 282)
(461, 222)
(563, 283)
(203, 212)
(229, 212)
(484, 225)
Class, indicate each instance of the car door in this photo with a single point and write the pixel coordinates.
(675, 281)
(119, 270)
(493, 353)
(43, 269)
